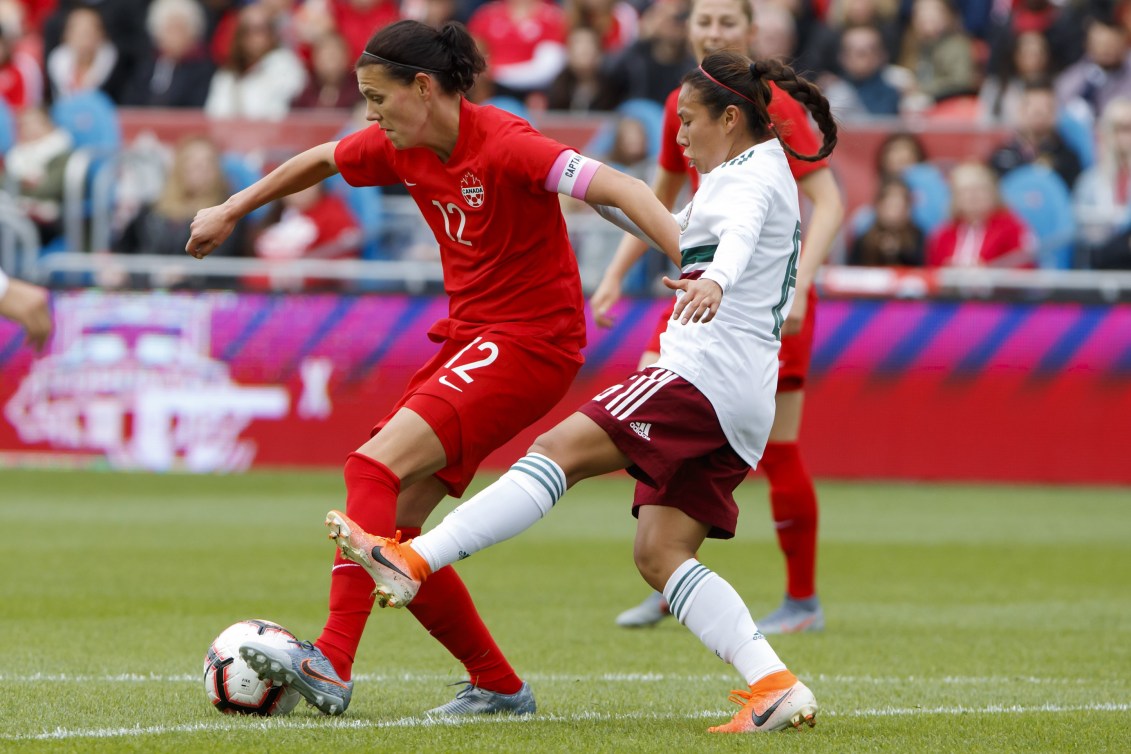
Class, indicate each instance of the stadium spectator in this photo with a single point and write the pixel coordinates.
(313, 224)
(1102, 196)
(651, 67)
(982, 231)
(29, 306)
(862, 88)
(777, 33)
(899, 151)
(615, 21)
(123, 22)
(432, 12)
(939, 54)
(1036, 138)
(823, 47)
(13, 84)
(195, 180)
(358, 20)
(177, 72)
(629, 151)
(1029, 60)
(332, 81)
(581, 86)
(1103, 74)
(33, 170)
(893, 238)
(261, 78)
(524, 43)
(86, 59)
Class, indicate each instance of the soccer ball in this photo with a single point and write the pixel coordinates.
(232, 686)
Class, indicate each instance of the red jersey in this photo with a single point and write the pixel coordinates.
(962, 245)
(508, 264)
(508, 40)
(789, 116)
(357, 25)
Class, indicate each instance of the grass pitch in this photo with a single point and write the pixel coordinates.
(959, 617)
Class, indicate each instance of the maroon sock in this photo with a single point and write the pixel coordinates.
(371, 501)
(793, 502)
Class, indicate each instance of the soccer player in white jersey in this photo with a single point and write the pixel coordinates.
(690, 427)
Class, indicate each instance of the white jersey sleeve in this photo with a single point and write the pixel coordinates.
(738, 239)
(3, 283)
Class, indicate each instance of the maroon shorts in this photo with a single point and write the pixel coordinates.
(477, 395)
(793, 360)
(679, 454)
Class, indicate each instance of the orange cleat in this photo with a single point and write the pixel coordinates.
(396, 570)
(776, 702)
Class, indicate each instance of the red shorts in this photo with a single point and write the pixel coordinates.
(679, 454)
(477, 395)
(793, 360)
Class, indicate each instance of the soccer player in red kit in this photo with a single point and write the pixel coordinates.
(487, 184)
(716, 25)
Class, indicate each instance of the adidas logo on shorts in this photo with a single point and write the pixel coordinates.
(642, 429)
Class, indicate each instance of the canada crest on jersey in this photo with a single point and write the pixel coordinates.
(472, 190)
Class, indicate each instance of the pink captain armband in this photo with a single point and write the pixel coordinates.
(571, 174)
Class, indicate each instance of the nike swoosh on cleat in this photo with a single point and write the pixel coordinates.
(376, 554)
(305, 665)
(760, 720)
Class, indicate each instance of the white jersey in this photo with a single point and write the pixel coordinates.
(743, 231)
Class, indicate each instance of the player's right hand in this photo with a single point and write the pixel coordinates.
(208, 230)
(603, 300)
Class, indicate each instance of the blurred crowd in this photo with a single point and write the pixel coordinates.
(1054, 75)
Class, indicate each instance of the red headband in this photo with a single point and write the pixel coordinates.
(724, 86)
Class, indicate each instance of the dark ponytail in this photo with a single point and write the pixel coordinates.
(726, 79)
(406, 48)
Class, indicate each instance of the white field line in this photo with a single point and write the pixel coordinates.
(566, 678)
(239, 724)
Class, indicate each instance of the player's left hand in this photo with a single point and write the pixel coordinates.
(797, 312)
(699, 302)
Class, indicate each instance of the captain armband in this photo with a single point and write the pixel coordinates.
(571, 174)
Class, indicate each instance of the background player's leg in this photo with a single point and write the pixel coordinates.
(445, 608)
(793, 503)
(403, 452)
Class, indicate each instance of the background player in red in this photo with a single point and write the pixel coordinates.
(716, 25)
(487, 184)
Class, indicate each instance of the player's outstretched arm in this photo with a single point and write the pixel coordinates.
(214, 224)
(666, 187)
(611, 188)
(28, 306)
(819, 187)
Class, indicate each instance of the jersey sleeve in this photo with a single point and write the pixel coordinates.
(528, 155)
(671, 156)
(365, 158)
(749, 205)
(792, 121)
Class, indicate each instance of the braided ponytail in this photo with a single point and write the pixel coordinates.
(808, 95)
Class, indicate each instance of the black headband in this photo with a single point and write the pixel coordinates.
(380, 59)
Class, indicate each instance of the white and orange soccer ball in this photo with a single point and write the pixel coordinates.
(232, 686)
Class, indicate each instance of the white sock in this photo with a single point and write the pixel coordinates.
(508, 507)
(704, 602)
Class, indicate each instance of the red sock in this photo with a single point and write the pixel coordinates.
(371, 501)
(793, 502)
(444, 607)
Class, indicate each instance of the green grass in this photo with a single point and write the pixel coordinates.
(959, 617)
